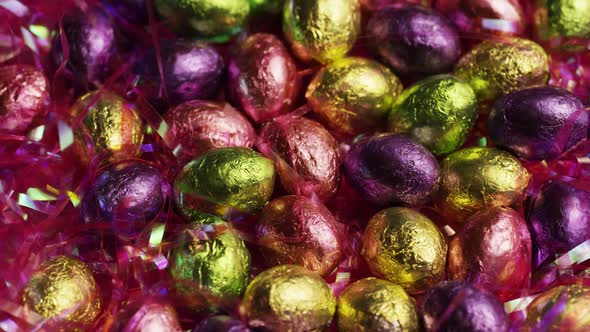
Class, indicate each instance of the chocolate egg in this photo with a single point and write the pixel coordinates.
(405, 247)
(221, 323)
(497, 67)
(268, 6)
(224, 179)
(371, 304)
(353, 95)
(214, 20)
(391, 169)
(560, 218)
(24, 97)
(538, 123)
(475, 178)
(128, 195)
(288, 298)
(201, 125)
(295, 230)
(323, 30)
(151, 315)
(563, 308)
(112, 122)
(263, 77)
(437, 112)
(63, 287)
(414, 40)
(565, 18)
(310, 161)
(458, 306)
(493, 249)
(380, 4)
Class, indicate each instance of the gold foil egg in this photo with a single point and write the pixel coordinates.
(324, 30)
(405, 247)
(566, 18)
(475, 178)
(563, 309)
(63, 287)
(497, 67)
(372, 304)
(112, 122)
(288, 298)
(353, 95)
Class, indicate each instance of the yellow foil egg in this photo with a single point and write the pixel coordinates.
(376, 305)
(405, 247)
(497, 67)
(353, 95)
(566, 18)
(324, 30)
(288, 298)
(563, 308)
(63, 287)
(476, 178)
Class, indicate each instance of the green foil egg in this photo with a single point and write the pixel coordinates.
(566, 18)
(323, 30)
(353, 95)
(497, 67)
(438, 112)
(214, 20)
(225, 179)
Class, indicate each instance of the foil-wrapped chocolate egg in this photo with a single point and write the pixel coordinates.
(475, 178)
(372, 304)
(112, 122)
(560, 309)
(373, 5)
(438, 112)
(63, 288)
(221, 323)
(497, 67)
(147, 315)
(296, 230)
(538, 123)
(493, 249)
(560, 218)
(128, 195)
(353, 95)
(263, 77)
(225, 179)
(24, 97)
(214, 20)
(405, 247)
(288, 298)
(323, 30)
(266, 6)
(562, 18)
(390, 169)
(309, 158)
(414, 40)
(201, 125)
(459, 306)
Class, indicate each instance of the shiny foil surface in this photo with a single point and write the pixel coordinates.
(405, 247)
(561, 309)
(565, 18)
(133, 11)
(288, 298)
(323, 30)
(475, 178)
(372, 304)
(63, 287)
(353, 95)
(223, 179)
(153, 316)
(24, 97)
(221, 323)
(263, 77)
(296, 230)
(493, 250)
(497, 67)
(200, 126)
(310, 160)
(438, 112)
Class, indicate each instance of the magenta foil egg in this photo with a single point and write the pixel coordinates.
(263, 77)
(151, 315)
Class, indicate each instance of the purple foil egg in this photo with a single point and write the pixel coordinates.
(151, 314)
(263, 77)
(391, 169)
(560, 218)
(538, 123)
(458, 306)
(129, 195)
(221, 323)
(414, 40)
(132, 11)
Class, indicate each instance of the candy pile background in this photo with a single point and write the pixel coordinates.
(297, 165)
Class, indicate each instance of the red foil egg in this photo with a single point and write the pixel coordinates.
(263, 77)
(493, 250)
